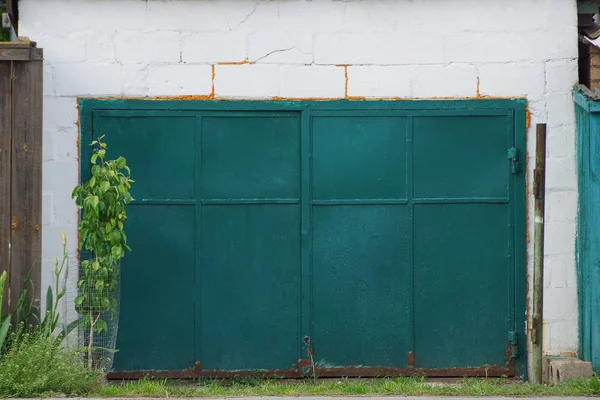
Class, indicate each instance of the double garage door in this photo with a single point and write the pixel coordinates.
(360, 238)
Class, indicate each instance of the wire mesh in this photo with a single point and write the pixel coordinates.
(90, 327)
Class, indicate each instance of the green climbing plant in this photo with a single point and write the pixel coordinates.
(103, 200)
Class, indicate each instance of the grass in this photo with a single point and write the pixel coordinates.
(350, 387)
(36, 365)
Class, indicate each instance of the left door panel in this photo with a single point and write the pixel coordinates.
(157, 307)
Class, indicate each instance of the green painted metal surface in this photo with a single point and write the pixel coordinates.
(389, 233)
(588, 234)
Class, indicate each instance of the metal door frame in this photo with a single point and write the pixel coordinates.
(514, 109)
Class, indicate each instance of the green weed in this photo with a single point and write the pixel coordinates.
(36, 365)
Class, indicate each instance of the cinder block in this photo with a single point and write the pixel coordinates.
(179, 80)
(512, 80)
(512, 46)
(247, 81)
(60, 112)
(280, 47)
(65, 211)
(64, 143)
(564, 336)
(101, 45)
(560, 369)
(560, 303)
(312, 82)
(49, 89)
(47, 209)
(445, 81)
(303, 16)
(67, 47)
(561, 174)
(378, 49)
(52, 240)
(381, 16)
(135, 79)
(379, 81)
(559, 271)
(561, 75)
(559, 237)
(138, 46)
(60, 176)
(213, 47)
(560, 141)
(84, 79)
(561, 206)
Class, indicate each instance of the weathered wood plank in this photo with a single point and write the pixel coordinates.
(5, 168)
(16, 54)
(26, 179)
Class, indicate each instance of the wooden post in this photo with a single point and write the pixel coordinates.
(5, 168)
(21, 96)
(539, 193)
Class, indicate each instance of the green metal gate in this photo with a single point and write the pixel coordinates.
(588, 235)
(377, 238)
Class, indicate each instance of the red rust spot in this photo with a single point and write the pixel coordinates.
(410, 359)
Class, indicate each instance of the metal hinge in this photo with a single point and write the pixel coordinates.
(513, 341)
(515, 164)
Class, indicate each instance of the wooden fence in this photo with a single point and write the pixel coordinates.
(21, 95)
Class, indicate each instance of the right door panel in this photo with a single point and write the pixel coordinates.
(462, 265)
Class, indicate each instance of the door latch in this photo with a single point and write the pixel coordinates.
(513, 342)
(515, 164)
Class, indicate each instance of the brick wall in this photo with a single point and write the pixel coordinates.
(318, 49)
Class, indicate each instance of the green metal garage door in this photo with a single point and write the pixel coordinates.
(378, 238)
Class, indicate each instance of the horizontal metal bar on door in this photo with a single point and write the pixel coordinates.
(340, 202)
(164, 202)
(143, 113)
(277, 105)
(401, 113)
(461, 200)
(226, 202)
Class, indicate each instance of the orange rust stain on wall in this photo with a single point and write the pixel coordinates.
(212, 91)
(477, 93)
(279, 98)
(246, 61)
(282, 98)
(345, 81)
(527, 118)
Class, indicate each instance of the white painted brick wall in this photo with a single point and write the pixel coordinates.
(390, 48)
(213, 47)
(179, 79)
(310, 81)
(378, 81)
(456, 80)
(247, 81)
(512, 79)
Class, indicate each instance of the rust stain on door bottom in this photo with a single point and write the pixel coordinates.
(333, 372)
